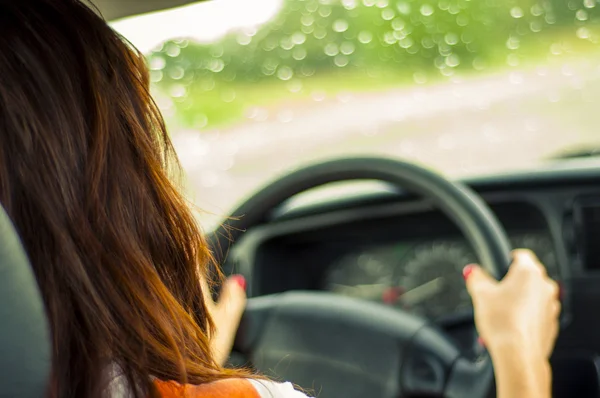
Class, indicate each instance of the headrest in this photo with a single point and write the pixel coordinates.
(25, 353)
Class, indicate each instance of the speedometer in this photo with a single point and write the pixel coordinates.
(432, 279)
(541, 244)
(423, 278)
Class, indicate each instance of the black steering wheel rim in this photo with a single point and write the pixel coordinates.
(475, 219)
(419, 340)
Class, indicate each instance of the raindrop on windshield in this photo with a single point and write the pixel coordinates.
(556, 49)
(320, 33)
(307, 70)
(451, 39)
(156, 76)
(399, 35)
(388, 14)
(389, 37)
(583, 33)
(589, 3)
(340, 26)
(452, 60)
(581, 15)
(444, 49)
(173, 50)
(462, 20)
(369, 3)
(217, 51)
(407, 42)
(325, 11)
(512, 60)
(243, 39)
(447, 72)
(403, 7)
(307, 29)
(285, 73)
(157, 63)
(332, 49)
(349, 4)
(420, 77)
(307, 20)
(398, 24)
(312, 6)
(269, 44)
(267, 71)
(427, 42)
(535, 26)
(365, 37)
(516, 12)
(177, 91)
(286, 43)
(426, 10)
(295, 86)
(536, 10)
(200, 121)
(513, 43)
(347, 48)
(216, 65)
(298, 38)
(177, 73)
(299, 53)
(382, 3)
(341, 60)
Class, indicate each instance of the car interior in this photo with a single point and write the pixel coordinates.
(361, 294)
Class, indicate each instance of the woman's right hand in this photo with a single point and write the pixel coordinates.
(518, 321)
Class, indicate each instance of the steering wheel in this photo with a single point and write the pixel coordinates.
(356, 348)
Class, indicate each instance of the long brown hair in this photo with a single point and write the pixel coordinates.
(85, 166)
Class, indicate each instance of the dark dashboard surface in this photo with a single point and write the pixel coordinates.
(396, 249)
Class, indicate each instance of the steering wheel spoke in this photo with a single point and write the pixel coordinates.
(470, 378)
(428, 363)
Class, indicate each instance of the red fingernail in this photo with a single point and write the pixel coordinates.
(240, 280)
(467, 271)
(391, 295)
(480, 341)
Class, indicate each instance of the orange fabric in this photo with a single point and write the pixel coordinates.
(232, 388)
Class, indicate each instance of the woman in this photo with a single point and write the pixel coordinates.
(85, 175)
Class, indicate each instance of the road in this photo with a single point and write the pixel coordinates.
(469, 126)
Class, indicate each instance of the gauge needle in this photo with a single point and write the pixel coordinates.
(369, 291)
(423, 292)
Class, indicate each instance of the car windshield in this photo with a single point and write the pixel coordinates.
(254, 89)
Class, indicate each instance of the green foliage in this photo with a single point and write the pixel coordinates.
(362, 44)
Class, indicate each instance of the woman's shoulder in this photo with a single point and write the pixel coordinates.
(270, 389)
(231, 388)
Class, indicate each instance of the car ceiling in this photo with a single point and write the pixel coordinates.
(116, 9)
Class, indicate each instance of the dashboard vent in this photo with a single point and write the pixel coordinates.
(587, 227)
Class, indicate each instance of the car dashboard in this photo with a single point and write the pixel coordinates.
(397, 249)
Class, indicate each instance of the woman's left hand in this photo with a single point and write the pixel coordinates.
(226, 314)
